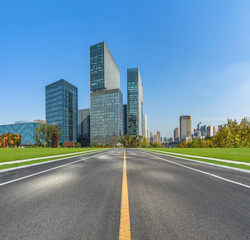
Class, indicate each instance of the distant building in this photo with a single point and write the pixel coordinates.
(62, 109)
(135, 102)
(215, 130)
(151, 137)
(157, 137)
(165, 140)
(176, 135)
(145, 126)
(185, 128)
(199, 126)
(210, 131)
(203, 130)
(125, 120)
(40, 121)
(106, 99)
(220, 127)
(84, 126)
(26, 130)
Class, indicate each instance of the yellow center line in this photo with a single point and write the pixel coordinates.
(124, 233)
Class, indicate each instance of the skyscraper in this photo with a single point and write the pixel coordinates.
(176, 135)
(135, 102)
(210, 131)
(185, 128)
(145, 126)
(62, 109)
(106, 99)
(84, 126)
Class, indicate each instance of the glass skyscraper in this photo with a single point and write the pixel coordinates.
(106, 99)
(62, 109)
(134, 102)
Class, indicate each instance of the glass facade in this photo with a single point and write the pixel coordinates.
(134, 102)
(26, 130)
(125, 119)
(84, 126)
(104, 73)
(106, 116)
(62, 108)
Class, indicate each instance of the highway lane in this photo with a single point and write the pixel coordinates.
(78, 201)
(166, 201)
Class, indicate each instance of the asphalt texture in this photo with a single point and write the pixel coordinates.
(82, 200)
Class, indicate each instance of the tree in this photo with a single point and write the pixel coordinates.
(43, 134)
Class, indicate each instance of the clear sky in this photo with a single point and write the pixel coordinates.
(194, 56)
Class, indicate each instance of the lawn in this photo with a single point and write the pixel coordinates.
(236, 154)
(11, 154)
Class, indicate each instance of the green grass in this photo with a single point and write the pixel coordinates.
(236, 154)
(6, 166)
(12, 154)
(221, 153)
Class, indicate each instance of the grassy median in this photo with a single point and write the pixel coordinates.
(235, 154)
(12, 154)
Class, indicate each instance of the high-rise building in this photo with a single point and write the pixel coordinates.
(203, 130)
(84, 126)
(151, 137)
(145, 126)
(104, 73)
(210, 131)
(62, 109)
(125, 120)
(176, 135)
(135, 102)
(215, 130)
(157, 137)
(185, 128)
(106, 99)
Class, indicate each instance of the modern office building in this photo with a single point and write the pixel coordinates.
(26, 130)
(62, 109)
(185, 128)
(106, 116)
(145, 126)
(84, 126)
(157, 137)
(104, 73)
(135, 102)
(176, 135)
(125, 120)
(106, 99)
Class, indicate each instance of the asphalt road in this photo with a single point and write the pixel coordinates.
(80, 198)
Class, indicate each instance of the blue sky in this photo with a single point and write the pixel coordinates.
(194, 56)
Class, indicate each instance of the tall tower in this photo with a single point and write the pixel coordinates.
(134, 102)
(185, 127)
(106, 99)
(62, 108)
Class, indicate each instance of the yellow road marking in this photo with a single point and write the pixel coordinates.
(124, 233)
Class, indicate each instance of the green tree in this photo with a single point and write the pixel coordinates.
(43, 134)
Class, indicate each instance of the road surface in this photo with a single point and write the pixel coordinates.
(167, 198)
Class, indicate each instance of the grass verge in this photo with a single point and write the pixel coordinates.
(7, 166)
(12, 154)
(235, 165)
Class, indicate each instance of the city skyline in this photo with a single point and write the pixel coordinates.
(212, 80)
